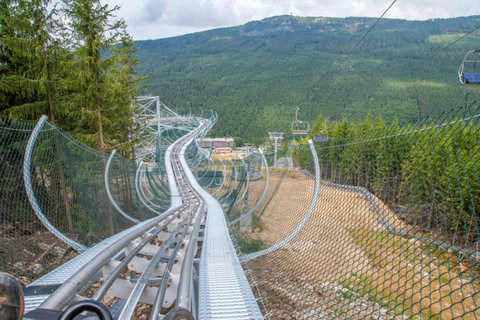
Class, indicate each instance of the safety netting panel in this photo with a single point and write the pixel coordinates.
(68, 184)
(122, 177)
(24, 243)
(395, 231)
(289, 191)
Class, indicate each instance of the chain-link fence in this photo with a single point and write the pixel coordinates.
(68, 183)
(394, 233)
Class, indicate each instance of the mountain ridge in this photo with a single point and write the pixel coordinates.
(256, 74)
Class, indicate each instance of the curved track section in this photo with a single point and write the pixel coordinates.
(154, 264)
(224, 292)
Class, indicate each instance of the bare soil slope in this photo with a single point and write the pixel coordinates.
(344, 264)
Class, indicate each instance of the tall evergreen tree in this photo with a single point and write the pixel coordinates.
(34, 62)
(25, 69)
(120, 131)
(94, 29)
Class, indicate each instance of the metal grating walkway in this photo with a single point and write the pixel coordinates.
(224, 291)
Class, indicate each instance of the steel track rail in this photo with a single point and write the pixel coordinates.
(223, 290)
(61, 297)
(195, 208)
(69, 291)
(162, 251)
(107, 283)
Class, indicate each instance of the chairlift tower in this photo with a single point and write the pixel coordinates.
(276, 137)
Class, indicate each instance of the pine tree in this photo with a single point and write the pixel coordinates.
(125, 86)
(24, 67)
(94, 31)
(35, 64)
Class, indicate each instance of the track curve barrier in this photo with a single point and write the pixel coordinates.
(67, 182)
(395, 232)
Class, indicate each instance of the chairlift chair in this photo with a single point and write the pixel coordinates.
(319, 137)
(469, 72)
(322, 135)
(300, 127)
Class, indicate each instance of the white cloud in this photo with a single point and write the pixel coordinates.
(149, 19)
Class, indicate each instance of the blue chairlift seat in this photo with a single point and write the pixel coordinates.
(317, 139)
(291, 146)
(468, 70)
(471, 77)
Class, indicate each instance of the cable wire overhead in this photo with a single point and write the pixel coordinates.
(460, 38)
(369, 30)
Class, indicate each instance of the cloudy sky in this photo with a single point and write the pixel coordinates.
(153, 19)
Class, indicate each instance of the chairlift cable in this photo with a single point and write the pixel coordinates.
(369, 30)
(364, 36)
(460, 38)
(360, 41)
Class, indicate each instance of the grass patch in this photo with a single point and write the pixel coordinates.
(257, 224)
(414, 84)
(247, 245)
(413, 278)
(443, 38)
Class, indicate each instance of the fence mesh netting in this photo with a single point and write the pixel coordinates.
(394, 233)
(68, 183)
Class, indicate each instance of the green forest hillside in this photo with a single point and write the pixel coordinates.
(255, 75)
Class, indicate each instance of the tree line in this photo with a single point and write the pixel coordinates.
(72, 60)
(427, 172)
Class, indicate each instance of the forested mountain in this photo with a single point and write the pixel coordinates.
(255, 75)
